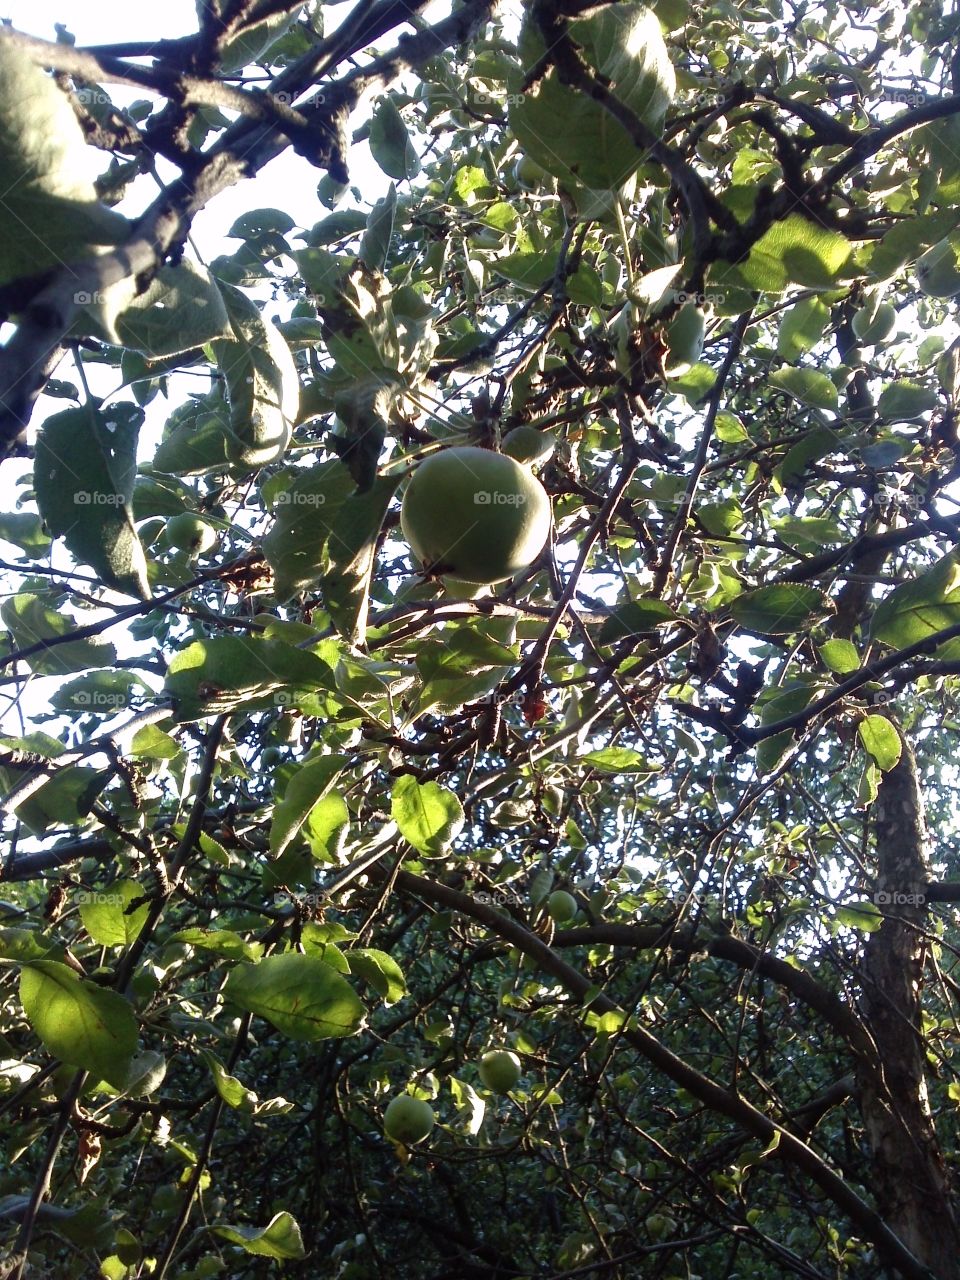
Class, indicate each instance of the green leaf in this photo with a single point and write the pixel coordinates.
(796, 250)
(429, 816)
(380, 970)
(571, 135)
(880, 738)
(636, 618)
(467, 665)
(234, 1093)
(779, 704)
(226, 672)
(919, 608)
(223, 942)
(105, 917)
(618, 760)
(30, 622)
(21, 945)
(305, 789)
(84, 471)
(862, 915)
(390, 143)
(808, 386)
(259, 222)
(304, 998)
(730, 429)
(812, 446)
(801, 328)
(905, 401)
(779, 610)
(80, 1023)
(326, 826)
(180, 309)
(840, 656)
(375, 244)
(280, 1238)
(151, 743)
(25, 531)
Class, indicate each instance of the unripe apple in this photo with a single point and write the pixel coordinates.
(874, 322)
(531, 176)
(475, 514)
(937, 273)
(408, 1119)
(499, 1070)
(529, 446)
(684, 337)
(561, 906)
(188, 532)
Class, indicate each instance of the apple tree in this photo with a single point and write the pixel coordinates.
(540, 870)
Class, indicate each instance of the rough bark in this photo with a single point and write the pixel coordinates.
(910, 1184)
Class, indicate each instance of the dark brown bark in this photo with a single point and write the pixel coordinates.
(909, 1181)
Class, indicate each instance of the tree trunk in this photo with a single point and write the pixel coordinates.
(909, 1179)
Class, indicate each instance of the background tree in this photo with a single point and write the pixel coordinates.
(296, 852)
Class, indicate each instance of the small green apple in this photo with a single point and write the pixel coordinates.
(937, 272)
(499, 1070)
(561, 906)
(408, 1120)
(188, 532)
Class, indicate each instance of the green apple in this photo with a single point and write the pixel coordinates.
(874, 322)
(530, 176)
(684, 334)
(937, 272)
(188, 532)
(499, 1070)
(408, 1120)
(477, 515)
(529, 445)
(561, 906)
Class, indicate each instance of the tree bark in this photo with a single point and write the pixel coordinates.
(910, 1183)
